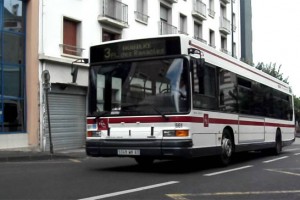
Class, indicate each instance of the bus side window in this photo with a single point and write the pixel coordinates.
(227, 91)
(204, 88)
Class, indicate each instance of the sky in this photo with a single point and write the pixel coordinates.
(276, 37)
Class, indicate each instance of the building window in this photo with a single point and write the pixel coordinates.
(234, 50)
(233, 22)
(107, 36)
(183, 24)
(224, 44)
(165, 24)
(212, 38)
(12, 67)
(223, 10)
(198, 31)
(211, 9)
(164, 13)
(71, 37)
(141, 13)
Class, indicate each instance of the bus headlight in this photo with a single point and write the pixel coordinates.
(175, 133)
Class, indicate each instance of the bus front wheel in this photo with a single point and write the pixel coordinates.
(227, 147)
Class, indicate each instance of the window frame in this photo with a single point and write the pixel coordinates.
(72, 51)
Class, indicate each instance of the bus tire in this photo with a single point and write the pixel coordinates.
(227, 147)
(142, 161)
(278, 143)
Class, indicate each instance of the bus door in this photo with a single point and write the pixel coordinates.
(250, 105)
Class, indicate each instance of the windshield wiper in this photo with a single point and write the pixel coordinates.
(158, 111)
(98, 114)
(149, 105)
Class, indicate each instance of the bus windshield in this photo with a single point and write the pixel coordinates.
(152, 87)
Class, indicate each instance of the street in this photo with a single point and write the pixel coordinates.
(253, 175)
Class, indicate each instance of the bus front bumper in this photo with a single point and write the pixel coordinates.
(146, 148)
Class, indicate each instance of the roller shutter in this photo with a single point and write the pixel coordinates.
(68, 118)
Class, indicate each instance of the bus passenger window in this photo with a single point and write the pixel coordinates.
(227, 91)
(204, 88)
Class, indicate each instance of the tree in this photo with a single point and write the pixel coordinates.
(272, 70)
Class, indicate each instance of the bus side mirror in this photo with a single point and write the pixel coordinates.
(74, 68)
(200, 61)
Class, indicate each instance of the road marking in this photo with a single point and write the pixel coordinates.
(75, 160)
(283, 172)
(226, 171)
(185, 196)
(130, 191)
(294, 149)
(296, 154)
(268, 161)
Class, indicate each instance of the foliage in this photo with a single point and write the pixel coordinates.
(272, 70)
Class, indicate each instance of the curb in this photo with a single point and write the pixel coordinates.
(19, 156)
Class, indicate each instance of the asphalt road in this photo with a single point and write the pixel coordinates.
(251, 176)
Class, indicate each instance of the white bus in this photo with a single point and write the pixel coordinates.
(175, 97)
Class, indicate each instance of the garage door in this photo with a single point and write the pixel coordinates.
(68, 119)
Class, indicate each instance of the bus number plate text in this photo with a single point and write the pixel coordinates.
(128, 152)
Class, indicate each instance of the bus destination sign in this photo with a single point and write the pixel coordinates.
(135, 49)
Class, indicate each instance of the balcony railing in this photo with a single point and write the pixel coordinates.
(224, 25)
(165, 28)
(141, 17)
(71, 50)
(199, 9)
(225, 51)
(211, 13)
(114, 12)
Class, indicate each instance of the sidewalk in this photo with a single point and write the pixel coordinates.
(27, 155)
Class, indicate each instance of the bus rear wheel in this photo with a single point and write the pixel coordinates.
(278, 143)
(227, 147)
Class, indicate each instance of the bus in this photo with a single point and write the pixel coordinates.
(171, 97)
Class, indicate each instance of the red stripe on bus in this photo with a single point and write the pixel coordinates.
(191, 120)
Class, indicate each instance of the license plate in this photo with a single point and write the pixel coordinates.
(127, 152)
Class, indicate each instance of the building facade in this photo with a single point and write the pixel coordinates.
(18, 31)
(59, 37)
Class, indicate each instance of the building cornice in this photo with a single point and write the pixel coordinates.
(43, 57)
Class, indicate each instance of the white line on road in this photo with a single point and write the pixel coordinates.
(229, 194)
(294, 149)
(130, 191)
(226, 171)
(268, 161)
(283, 172)
(296, 154)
